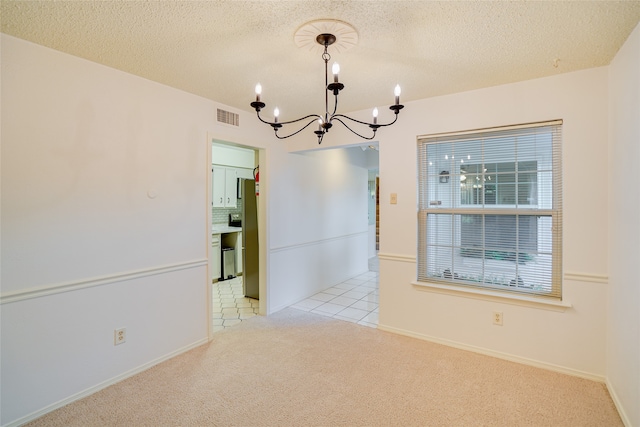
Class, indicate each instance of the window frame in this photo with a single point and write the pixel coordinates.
(426, 207)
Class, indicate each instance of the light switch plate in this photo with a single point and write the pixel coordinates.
(394, 198)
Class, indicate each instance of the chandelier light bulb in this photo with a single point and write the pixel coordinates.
(397, 91)
(276, 113)
(335, 69)
(258, 92)
(375, 115)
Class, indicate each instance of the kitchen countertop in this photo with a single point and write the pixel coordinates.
(224, 228)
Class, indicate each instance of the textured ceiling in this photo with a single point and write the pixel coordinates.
(221, 49)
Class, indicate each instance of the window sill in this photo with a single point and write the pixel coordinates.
(487, 295)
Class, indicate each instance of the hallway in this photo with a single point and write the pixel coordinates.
(354, 300)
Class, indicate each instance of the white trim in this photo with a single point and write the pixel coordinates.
(91, 390)
(593, 278)
(616, 401)
(208, 201)
(509, 298)
(15, 296)
(489, 295)
(492, 129)
(397, 257)
(319, 242)
(498, 354)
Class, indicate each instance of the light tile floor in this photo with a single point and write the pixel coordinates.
(230, 306)
(354, 300)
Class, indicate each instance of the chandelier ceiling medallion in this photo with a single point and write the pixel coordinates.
(322, 34)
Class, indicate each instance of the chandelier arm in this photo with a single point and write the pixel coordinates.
(299, 130)
(315, 116)
(335, 106)
(372, 125)
(353, 131)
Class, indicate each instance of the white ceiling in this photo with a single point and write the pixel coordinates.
(221, 49)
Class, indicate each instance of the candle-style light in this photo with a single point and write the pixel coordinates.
(328, 118)
(258, 92)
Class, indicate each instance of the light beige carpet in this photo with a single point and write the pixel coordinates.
(300, 369)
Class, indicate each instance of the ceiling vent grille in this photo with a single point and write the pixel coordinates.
(228, 117)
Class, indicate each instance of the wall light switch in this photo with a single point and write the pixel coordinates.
(394, 198)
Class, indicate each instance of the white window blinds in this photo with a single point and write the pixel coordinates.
(490, 209)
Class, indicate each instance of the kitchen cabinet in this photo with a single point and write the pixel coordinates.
(224, 187)
(244, 173)
(231, 188)
(215, 255)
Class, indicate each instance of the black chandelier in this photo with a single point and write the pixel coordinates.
(325, 122)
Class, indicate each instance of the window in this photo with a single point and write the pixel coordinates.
(490, 209)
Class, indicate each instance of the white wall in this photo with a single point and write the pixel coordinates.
(103, 189)
(105, 223)
(321, 236)
(623, 330)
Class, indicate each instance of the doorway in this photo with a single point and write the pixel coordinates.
(234, 253)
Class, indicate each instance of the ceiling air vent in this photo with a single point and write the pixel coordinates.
(228, 117)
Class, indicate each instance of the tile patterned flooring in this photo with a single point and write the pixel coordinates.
(230, 307)
(354, 300)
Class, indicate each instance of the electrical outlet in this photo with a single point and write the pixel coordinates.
(119, 336)
(497, 318)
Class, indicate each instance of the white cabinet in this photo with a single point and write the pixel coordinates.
(245, 173)
(224, 187)
(215, 256)
(218, 184)
(231, 188)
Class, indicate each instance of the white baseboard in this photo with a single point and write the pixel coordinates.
(614, 396)
(498, 354)
(103, 385)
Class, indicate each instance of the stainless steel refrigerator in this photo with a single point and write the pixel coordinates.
(250, 263)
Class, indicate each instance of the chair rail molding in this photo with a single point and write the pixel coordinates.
(36, 292)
